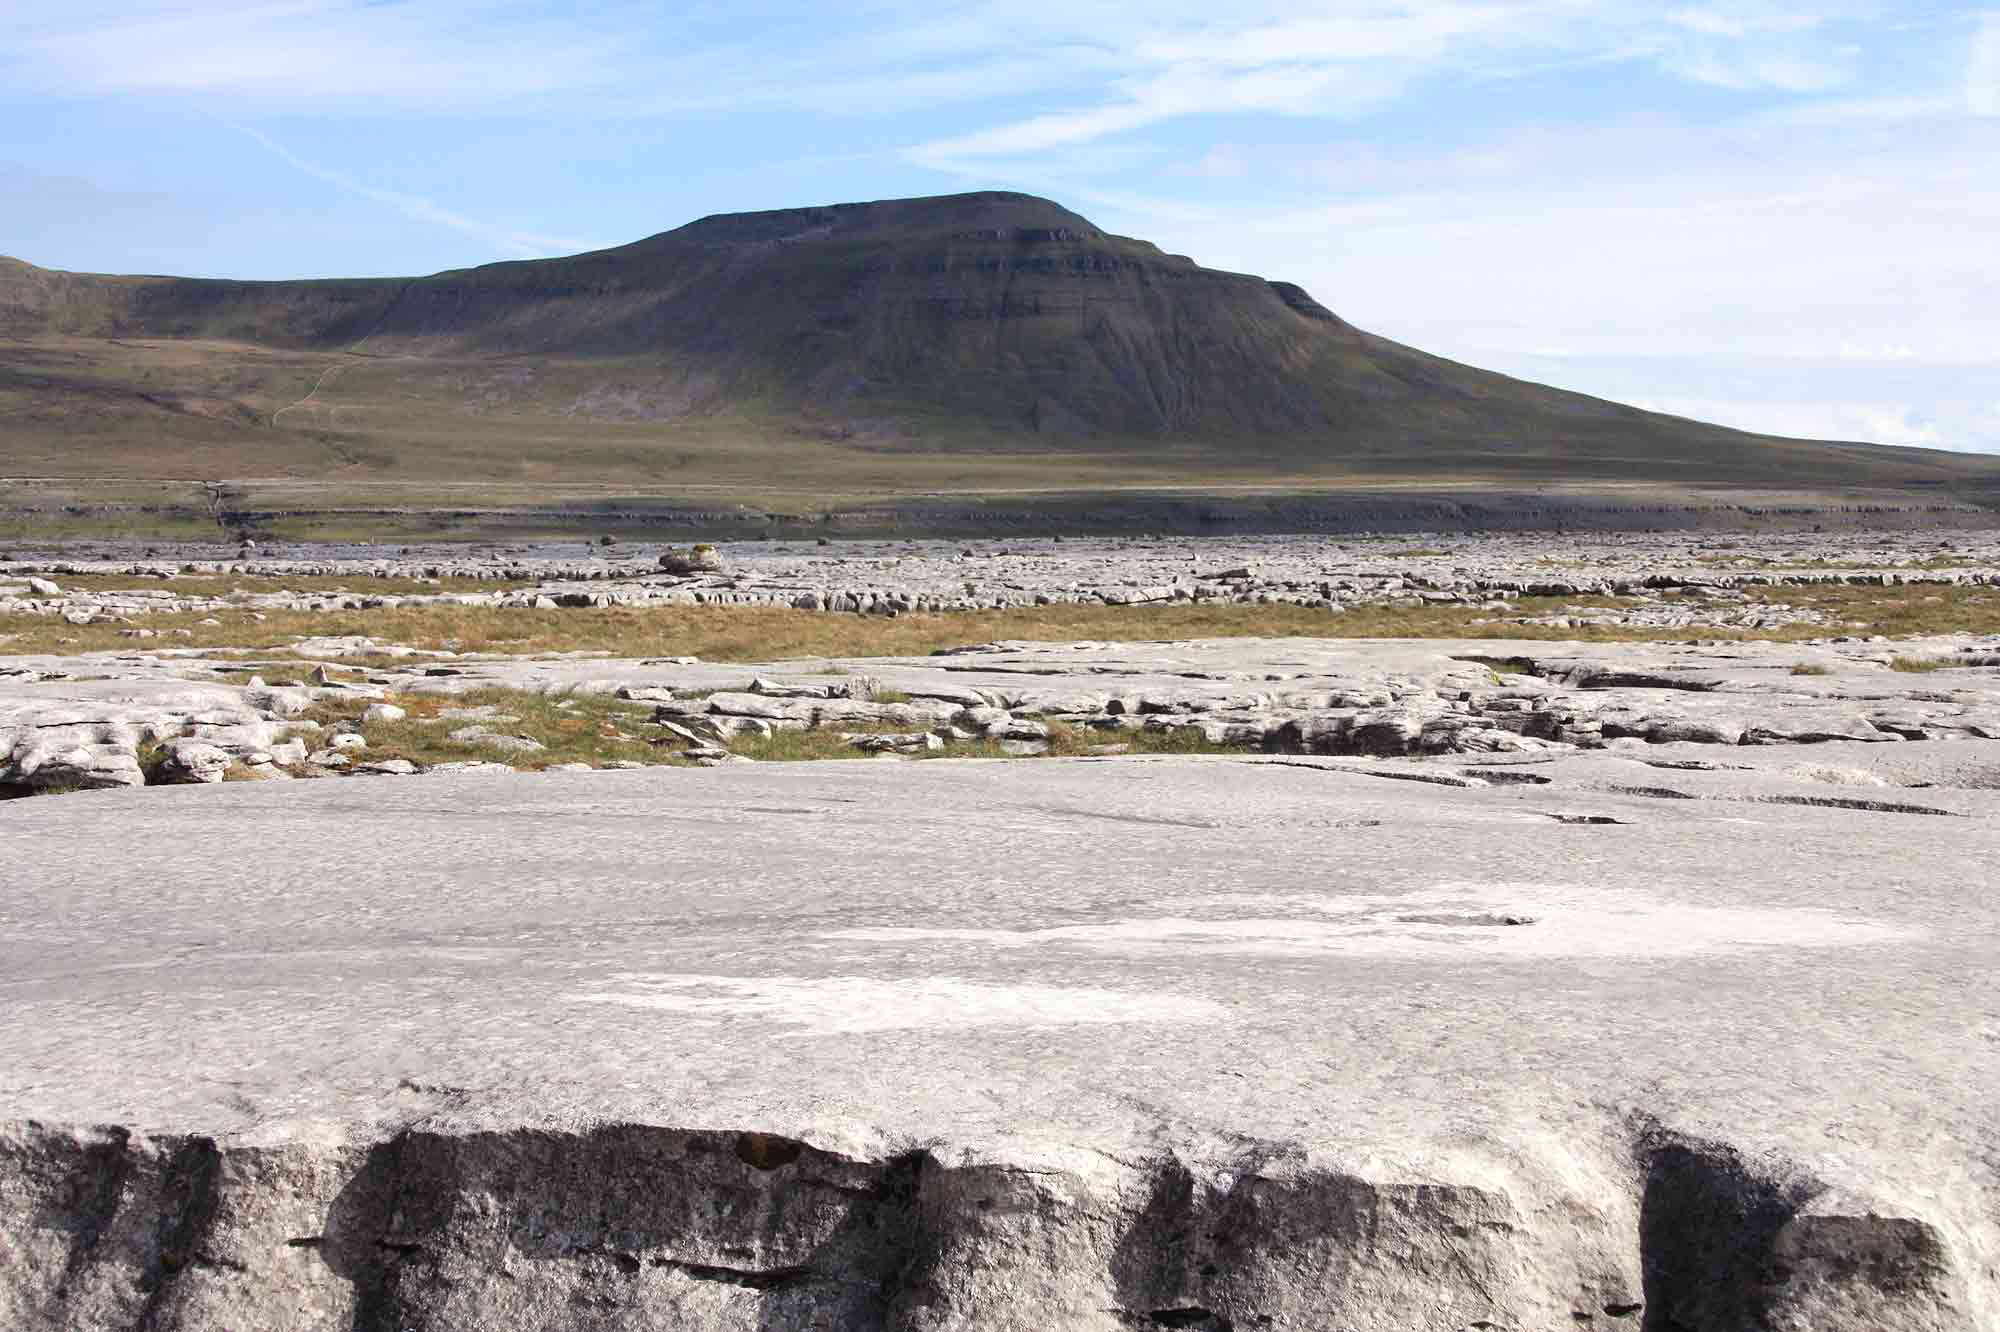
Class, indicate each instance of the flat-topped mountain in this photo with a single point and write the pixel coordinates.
(808, 344)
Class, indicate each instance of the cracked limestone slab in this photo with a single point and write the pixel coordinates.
(1093, 1044)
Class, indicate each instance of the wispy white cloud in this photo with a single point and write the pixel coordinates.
(1359, 57)
(1863, 260)
(307, 52)
(518, 244)
(1785, 71)
(1896, 401)
(1743, 20)
(1982, 71)
(1862, 422)
(1109, 71)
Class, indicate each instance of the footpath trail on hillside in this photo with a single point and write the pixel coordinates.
(325, 377)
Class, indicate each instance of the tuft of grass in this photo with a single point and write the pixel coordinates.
(152, 761)
(1921, 665)
(1810, 668)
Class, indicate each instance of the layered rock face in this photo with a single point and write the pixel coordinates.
(631, 1227)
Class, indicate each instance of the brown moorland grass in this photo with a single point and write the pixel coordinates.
(736, 633)
(760, 634)
(225, 585)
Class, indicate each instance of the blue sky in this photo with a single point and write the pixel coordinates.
(1778, 215)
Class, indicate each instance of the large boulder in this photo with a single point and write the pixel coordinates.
(190, 762)
(694, 560)
(63, 762)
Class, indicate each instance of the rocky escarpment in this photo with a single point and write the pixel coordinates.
(626, 1226)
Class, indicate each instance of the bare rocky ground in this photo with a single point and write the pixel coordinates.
(124, 718)
(1480, 983)
(895, 577)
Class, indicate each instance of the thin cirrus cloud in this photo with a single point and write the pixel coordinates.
(1982, 72)
(1369, 55)
(620, 58)
(633, 57)
(309, 52)
(520, 244)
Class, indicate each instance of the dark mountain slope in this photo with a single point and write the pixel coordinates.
(978, 321)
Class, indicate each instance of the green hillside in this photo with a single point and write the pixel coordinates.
(978, 341)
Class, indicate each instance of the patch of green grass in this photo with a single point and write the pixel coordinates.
(1922, 665)
(574, 728)
(588, 729)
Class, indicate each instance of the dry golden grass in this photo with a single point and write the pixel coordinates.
(225, 585)
(757, 634)
(1897, 612)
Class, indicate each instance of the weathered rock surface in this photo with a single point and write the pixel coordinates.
(81, 721)
(1287, 1042)
(1666, 580)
